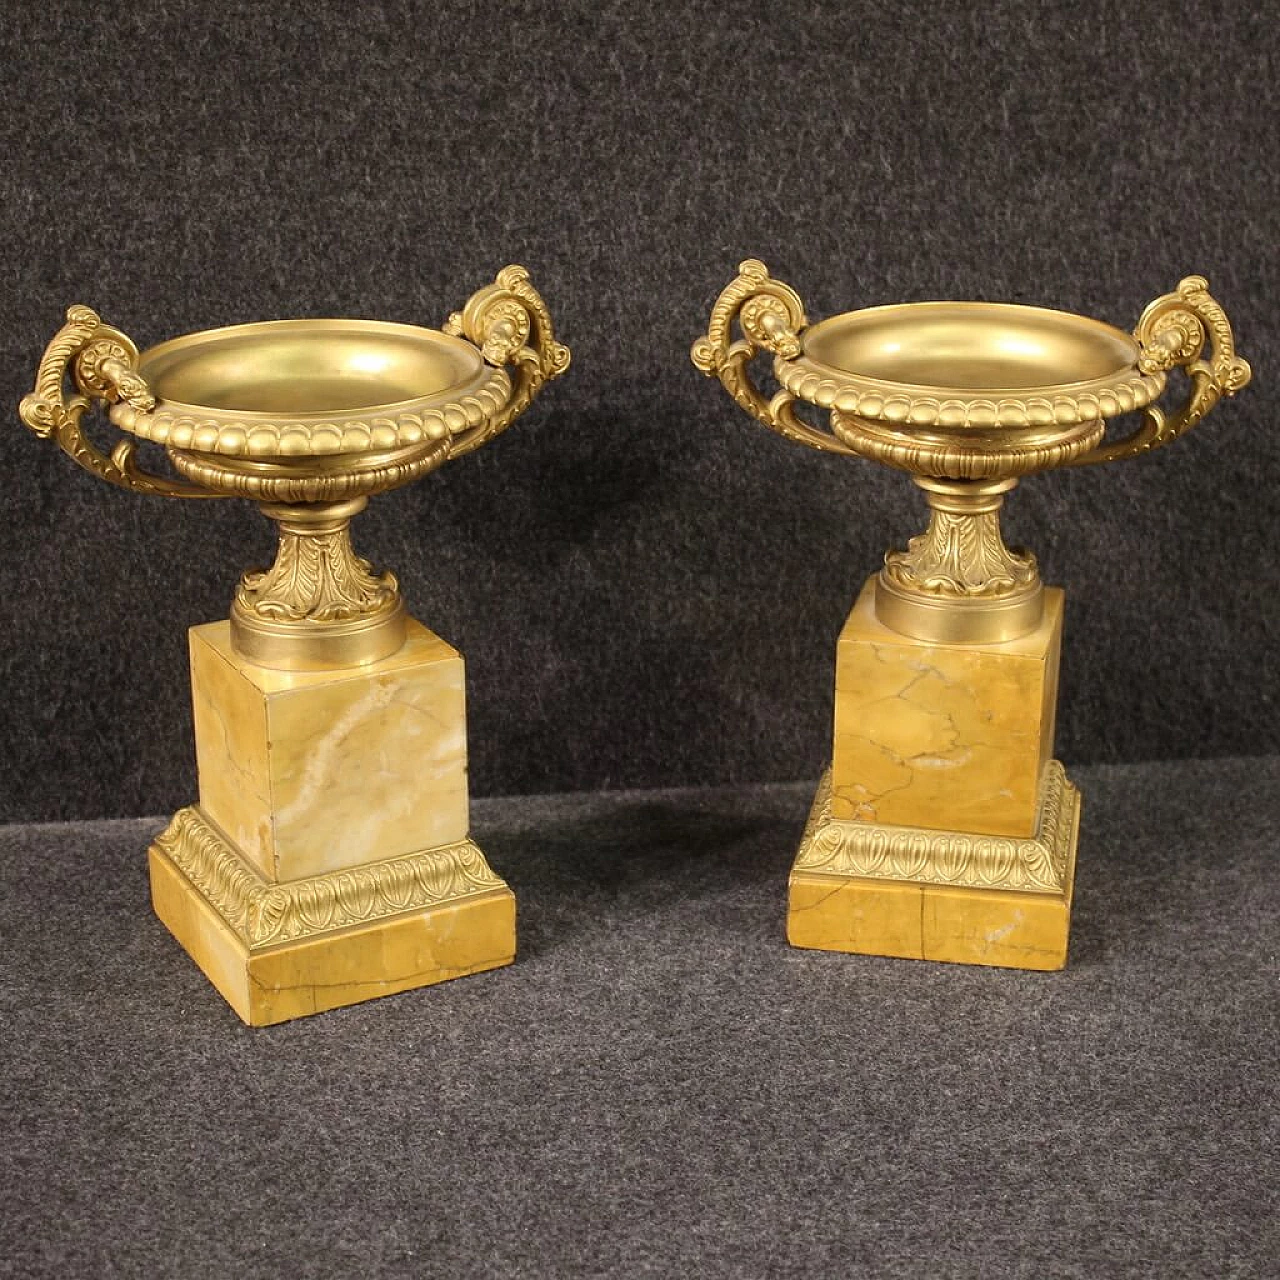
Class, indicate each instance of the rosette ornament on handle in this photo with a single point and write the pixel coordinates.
(771, 317)
(1172, 334)
(105, 366)
(511, 325)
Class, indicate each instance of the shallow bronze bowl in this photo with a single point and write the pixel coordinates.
(968, 397)
(308, 418)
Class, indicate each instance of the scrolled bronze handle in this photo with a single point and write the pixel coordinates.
(510, 324)
(1172, 334)
(104, 363)
(771, 317)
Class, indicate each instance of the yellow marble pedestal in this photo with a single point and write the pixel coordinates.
(945, 830)
(327, 861)
(937, 735)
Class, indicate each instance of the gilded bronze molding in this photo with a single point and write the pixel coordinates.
(877, 851)
(263, 913)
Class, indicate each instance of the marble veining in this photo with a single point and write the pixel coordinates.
(311, 772)
(943, 736)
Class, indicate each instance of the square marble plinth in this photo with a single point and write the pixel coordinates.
(310, 772)
(951, 737)
(280, 951)
(923, 894)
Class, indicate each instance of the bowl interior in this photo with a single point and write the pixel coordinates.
(971, 347)
(309, 367)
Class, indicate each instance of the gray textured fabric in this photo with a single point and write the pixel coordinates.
(646, 585)
(660, 1086)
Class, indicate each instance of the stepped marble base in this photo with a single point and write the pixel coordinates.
(281, 950)
(923, 894)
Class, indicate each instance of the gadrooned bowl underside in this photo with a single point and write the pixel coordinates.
(969, 365)
(297, 388)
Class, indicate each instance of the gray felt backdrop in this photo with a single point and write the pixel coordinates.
(646, 585)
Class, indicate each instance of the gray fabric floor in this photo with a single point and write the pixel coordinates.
(660, 1086)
